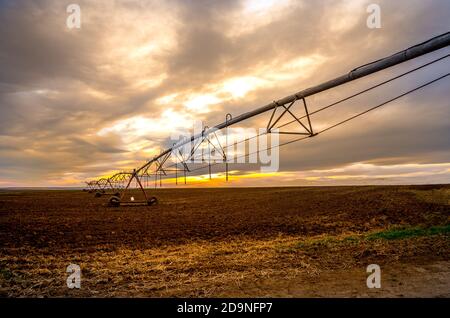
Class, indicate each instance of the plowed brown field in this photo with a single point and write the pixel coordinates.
(306, 241)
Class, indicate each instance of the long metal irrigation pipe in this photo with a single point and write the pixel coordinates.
(428, 46)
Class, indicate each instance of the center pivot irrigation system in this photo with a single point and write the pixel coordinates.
(176, 160)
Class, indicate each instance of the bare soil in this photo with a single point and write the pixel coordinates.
(233, 242)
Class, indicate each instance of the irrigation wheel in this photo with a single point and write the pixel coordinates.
(152, 201)
(114, 201)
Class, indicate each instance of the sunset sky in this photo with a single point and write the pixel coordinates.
(76, 104)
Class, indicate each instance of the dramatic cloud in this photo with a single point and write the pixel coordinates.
(80, 103)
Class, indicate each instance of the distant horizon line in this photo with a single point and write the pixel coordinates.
(224, 187)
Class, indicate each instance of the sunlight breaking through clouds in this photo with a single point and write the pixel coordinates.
(135, 127)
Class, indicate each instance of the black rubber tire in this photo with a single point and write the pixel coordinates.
(114, 201)
(152, 201)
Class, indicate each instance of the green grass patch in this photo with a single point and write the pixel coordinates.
(389, 234)
(402, 233)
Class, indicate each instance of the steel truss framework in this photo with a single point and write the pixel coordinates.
(177, 160)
